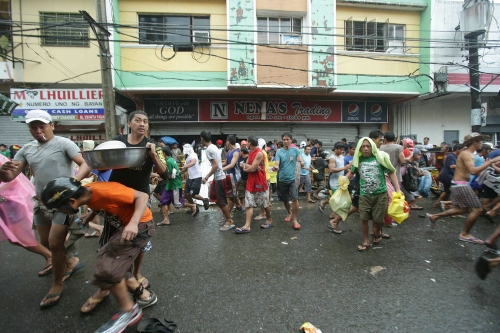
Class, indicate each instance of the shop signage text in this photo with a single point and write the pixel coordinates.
(62, 104)
(276, 110)
(242, 110)
(171, 109)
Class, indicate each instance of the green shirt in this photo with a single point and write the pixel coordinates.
(5, 153)
(173, 183)
(371, 176)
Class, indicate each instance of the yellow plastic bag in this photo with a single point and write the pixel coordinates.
(340, 201)
(399, 208)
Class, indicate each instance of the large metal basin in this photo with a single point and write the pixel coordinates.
(121, 158)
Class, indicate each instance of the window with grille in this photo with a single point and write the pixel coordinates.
(372, 36)
(170, 29)
(269, 29)
(63, 29)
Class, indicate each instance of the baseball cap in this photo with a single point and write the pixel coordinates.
(416, 151)
(261, 143)
(40, 115)
(219, 142)
(243, 142)
(303, 144)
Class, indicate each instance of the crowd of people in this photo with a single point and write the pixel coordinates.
(237, 177)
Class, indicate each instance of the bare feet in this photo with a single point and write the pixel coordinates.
(431, 219)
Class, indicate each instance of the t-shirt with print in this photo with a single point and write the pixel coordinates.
(49, 160)
(136, 177)
(287, 162)
(115, 208)
(213, 153)
(173, 183)
(371, 176)
(195, 170)
(307, 164)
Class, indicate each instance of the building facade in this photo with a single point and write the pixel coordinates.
(55, 67)
(319, 69)
(444, 112)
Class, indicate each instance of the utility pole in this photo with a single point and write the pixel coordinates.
(108, 96)
(474, 78)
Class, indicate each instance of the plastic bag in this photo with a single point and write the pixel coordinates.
(340, 202)
(309, 328)
(399, 209)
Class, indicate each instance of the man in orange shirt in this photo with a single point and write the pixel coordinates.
(129, 213)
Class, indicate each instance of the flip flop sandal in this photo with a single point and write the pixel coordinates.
(155, 325)
(363, 247)
(49, 304)
(75, 269)
(257, 218)
(92, 303)
(46, 270)
(144, 279)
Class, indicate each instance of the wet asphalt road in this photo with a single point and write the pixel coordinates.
(420, 280)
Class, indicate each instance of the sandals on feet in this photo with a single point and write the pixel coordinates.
(363, 247)
(91, 303)
(46, 270)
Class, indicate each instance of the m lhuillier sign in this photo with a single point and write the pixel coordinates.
(61, 104)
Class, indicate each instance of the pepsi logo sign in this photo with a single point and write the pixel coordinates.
(353, 109)
(376, 110)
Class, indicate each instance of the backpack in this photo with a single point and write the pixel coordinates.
(410, 178)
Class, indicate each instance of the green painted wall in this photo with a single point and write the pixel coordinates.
(377, 83)
(168, 80)
(322, 34)
(241, 18)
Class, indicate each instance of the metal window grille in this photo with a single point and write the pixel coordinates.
(269, 29)
(63, 29)
(174, 29)
(371, 36)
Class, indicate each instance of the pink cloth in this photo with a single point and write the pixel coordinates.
(390, 189)
(16, 213)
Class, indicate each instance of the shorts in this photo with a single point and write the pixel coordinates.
(306, 180)
(256, 199)
(160, 187)
(193, 186)
(373, 207)
(172, 197)
(320, 183)
(218, 193)
(489, 193)
(273, 187)
(46, 217)
(288, 190)
(242, 184)
(463, 196)
(447, 187)
(115, 259)
(408, 195)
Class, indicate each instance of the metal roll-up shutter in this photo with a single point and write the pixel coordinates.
(365, 129)
(171, 129)
(12, 132)
(326, 133)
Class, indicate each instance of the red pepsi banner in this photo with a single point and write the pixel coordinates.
(376, 112)
(353, 112)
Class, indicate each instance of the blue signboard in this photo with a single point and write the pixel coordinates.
(64, 114)
(353, 112)
(376, 112)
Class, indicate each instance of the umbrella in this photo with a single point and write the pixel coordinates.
(168, 140)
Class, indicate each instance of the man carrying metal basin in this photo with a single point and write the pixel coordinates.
(137, 178)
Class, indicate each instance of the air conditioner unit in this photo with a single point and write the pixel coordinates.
(291, 39)
(201, 37)
(395, 46)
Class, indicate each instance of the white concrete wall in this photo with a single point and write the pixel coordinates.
(432, 117)
(448, 43)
